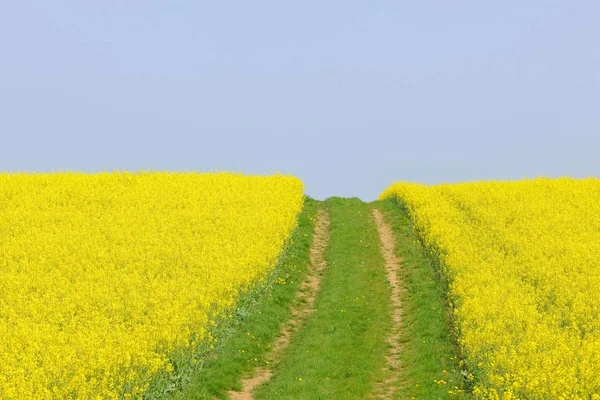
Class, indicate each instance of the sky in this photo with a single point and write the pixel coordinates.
(349, 96)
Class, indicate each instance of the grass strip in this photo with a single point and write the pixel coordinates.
(430, 354)
(339, 353)
(241, 340)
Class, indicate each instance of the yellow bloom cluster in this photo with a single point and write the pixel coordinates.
(103, 275)
(523, 262)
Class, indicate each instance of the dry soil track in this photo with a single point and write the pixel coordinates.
(386, 388)
(304, 306)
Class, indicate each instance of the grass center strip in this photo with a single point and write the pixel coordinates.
(339, 352)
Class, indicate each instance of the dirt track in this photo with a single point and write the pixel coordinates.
(303, 308)
(385, 389)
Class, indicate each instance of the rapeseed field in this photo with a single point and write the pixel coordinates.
(523, 263)
(102, 276)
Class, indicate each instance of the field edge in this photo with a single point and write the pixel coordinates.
(431, 354)
(219, 364)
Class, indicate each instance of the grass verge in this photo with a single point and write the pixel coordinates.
(430, 354)
(240, 341)
(339, 352)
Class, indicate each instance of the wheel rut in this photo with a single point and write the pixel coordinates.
(387, 387)
(304, 306)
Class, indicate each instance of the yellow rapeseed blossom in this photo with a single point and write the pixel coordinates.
(102, 276)
(523, 262)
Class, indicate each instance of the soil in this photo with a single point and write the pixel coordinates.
(385, 389)
(304, 306)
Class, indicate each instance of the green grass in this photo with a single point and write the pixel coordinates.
(339, 353)
(245, 339)
(429, 346)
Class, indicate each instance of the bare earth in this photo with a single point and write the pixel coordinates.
(304, 306)
(385, 389)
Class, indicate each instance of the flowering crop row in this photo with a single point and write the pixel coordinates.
(523, 262)
(102, 276)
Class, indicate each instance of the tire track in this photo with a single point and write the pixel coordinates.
(386, 388)
(303, 308)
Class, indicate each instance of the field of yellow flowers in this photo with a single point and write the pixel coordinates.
(102, 276)
(523, 264)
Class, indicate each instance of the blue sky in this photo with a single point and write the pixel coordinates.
(347, 95)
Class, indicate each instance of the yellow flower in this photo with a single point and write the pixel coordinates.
(102, 276)
(523, 263)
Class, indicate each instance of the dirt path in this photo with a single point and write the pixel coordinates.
(304, 306)
(386, 388)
